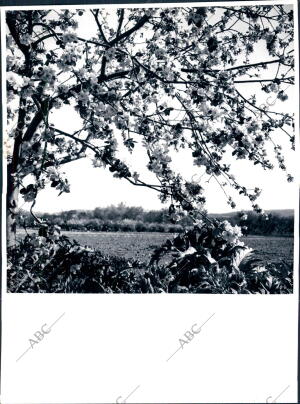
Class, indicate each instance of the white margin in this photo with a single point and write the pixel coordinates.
(3, 9)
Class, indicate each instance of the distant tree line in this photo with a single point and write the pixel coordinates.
(274, 224)
(112, 218)
(133, 218)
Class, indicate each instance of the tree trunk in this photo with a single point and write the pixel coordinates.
(13, 188)
(11, 208)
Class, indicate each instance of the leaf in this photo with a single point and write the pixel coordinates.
(189, 251)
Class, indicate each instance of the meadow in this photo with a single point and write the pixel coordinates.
(140, 245)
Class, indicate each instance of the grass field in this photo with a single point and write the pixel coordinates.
(140, 245)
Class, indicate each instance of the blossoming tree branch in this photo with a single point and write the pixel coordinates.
(168, 79)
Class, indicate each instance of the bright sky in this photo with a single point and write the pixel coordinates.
(96, 187)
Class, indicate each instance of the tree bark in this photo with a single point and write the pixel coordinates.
(12, 192)
(12, 196)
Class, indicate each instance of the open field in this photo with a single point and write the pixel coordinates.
(140, 245)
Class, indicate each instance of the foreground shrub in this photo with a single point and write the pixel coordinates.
(206, 259)
(212, 259)
(50, 262)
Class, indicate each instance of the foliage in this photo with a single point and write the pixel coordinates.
(208, 259)
(211, 259)
(271, 224)
(158, 80)
(52, 263)
(125, 219)
(164, 79)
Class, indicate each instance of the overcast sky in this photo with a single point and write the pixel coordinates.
(96, 187)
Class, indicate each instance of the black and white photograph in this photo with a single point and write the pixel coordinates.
(150, 150)
(150, 202)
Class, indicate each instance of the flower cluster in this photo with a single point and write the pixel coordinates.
(159, 159)
(168, 82)
(231, 233)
